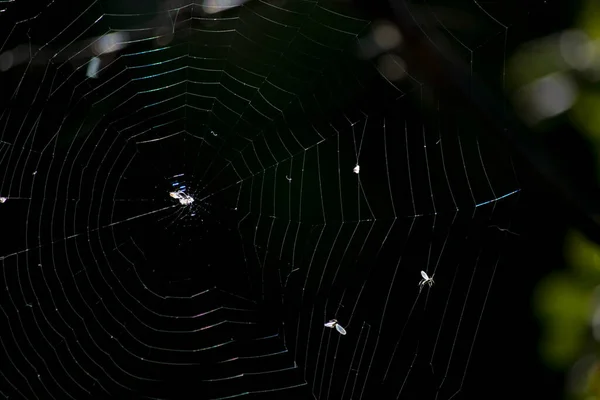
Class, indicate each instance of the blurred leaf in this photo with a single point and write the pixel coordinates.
(564, 308)
(585, 114)
(561, 345)
(533, 61)
(582, 254)
(589, 18)
(593, 384)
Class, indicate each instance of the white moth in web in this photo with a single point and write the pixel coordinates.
(426, 280)
(356, 169)
(334, 324)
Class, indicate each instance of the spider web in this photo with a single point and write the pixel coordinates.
(260, 113)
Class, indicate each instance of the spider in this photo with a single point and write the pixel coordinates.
(338, 327)
(426, 280)
(183, 198)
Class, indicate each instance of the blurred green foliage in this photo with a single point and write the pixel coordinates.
(568, 301)
(584, 113)
(562, 304)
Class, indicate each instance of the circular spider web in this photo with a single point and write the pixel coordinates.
(261, 114)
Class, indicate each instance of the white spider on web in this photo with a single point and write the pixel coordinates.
(426, 280)
(334, 324)
(183, 198)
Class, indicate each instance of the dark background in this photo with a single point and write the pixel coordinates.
(94, 286)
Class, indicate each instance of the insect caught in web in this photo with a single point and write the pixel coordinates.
(333, 323)
(183, 198)
(426, 280)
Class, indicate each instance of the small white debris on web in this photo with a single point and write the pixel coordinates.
(3, 199)
(356, 169)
